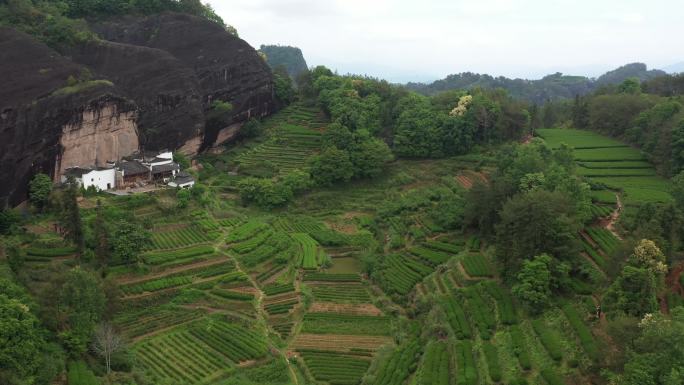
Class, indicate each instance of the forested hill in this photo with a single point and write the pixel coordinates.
(551, 87)
(289, 57)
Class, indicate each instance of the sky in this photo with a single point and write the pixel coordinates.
(411, 40)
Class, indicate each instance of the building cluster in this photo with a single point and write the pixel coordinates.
(138, 170)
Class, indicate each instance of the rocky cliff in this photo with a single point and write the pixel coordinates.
(226, 67)
(36, 110)
(162, 73)
(289, 57)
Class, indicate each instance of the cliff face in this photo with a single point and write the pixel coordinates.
(164, 70)
(167, 92)
(33, 118)
(105, 130)
(226, 67)
(289, 57)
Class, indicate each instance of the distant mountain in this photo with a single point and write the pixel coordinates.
(675, 68)
(633, 70)
(550, 87)
(289, 57)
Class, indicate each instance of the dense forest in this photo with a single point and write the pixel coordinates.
(480, 231)
(552, 87)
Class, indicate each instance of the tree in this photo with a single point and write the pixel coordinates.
(677, 190)
(648, 255)
(40, 188)
(657, 357)
(128, 240)
(534, 283)
(80, 304)
(101, 236)
(282, 85)
(535, 223)
(266, 193)
(580, 112)
(22, 342)
(633, 292)
(106, 343)
(8, 219)
(330, 166)
(183, 197)
(71, 215)
(297, 181)
(15, 258)
(630, 86)
(369, 157)
(251, 129)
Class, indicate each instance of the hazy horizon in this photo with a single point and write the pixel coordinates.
(407, 41)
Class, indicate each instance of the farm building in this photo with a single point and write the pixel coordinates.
(100, 178)
(132, 172)
(183, 180)
(136, 170)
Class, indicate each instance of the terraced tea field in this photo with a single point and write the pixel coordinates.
(295, 135)
(613, 163)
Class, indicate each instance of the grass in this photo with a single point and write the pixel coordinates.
(81, 86)
(80, 374)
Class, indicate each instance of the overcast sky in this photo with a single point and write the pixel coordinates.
(404, 40)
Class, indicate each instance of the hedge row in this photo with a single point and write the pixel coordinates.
(493, 365)
(520, 348)
(549, 338)
(583, 332)
(467, 370)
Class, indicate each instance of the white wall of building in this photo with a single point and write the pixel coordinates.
(101, 179)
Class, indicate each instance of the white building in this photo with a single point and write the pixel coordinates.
(100, 178)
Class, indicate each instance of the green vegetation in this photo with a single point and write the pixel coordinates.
(488, 267)
(436, 368)
(335, 368)
(332, 323)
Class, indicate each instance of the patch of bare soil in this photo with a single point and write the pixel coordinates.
(339, 342)
(341, 227)
(245, 289)
(464, 181)
(345, 308)
(614, 217)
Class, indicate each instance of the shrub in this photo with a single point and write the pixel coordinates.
(520, 348)
(549, 339)
(492, 357)
(582, 331)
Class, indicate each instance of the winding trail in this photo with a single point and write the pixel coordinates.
(614, 217)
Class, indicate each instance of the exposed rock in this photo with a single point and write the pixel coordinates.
(32, 117)
(165, 71)
(166, 91)
(227, 67)
(283, 55)
(102, 134)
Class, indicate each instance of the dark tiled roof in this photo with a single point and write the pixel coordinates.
(165, 168)
(183, 177)
(133, 168)
(76, 172)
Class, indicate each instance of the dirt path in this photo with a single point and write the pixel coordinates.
(614, 217)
